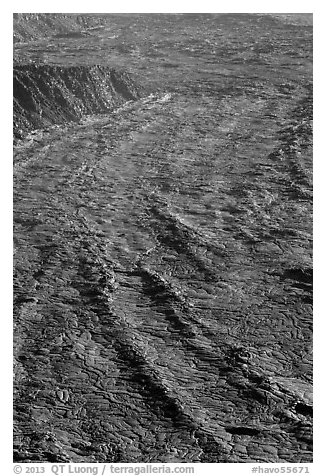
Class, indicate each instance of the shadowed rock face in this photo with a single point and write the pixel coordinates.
(163, 261)
(47, 95)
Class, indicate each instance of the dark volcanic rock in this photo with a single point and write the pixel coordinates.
(34, 26)
(163, 248)
(47, 95)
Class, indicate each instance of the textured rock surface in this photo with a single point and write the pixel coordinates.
(163, 253)
(47, 95)
(35, 26)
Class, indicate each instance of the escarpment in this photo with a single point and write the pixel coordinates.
(45, 95)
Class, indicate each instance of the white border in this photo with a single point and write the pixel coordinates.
(167, 6)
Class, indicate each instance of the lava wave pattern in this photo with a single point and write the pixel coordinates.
(163, 276)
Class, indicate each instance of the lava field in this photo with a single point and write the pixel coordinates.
(163, 238)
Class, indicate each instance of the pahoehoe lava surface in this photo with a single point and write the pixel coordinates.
(163, 238)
